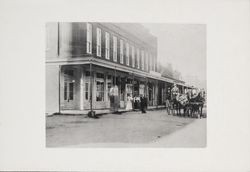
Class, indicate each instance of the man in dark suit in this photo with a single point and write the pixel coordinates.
(143, 104)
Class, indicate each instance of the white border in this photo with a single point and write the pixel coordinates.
(22, 85)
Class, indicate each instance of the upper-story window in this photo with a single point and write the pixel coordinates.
(133, 56)
(153, 64)
(89, 38)
(47, 37)
(138, 58)
(146, 61)
(142, 60)
(98, 42)
(150, 62)
(127, 53)
(107, 45)
(115, 49)
(121, 51)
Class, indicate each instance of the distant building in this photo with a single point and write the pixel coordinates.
(196, 82)
(84, 60)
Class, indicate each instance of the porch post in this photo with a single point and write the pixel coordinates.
(157, 94)
(91, 112)
(133, 88)
(59, 90)
(147, 90)
(115, 75)
(91, 89)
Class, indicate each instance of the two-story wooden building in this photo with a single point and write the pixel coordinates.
(84, 60)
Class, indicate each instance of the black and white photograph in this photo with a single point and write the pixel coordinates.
(125, 84)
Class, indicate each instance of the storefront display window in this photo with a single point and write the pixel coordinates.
(109, 83)
(99, 91)
(123, 81)
(129, 89)
(141, 89)
(87, 91)
(87, 85)
(99, 87)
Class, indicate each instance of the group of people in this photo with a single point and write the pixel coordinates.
(176, 97)
(137, 102)
(131, 102)
(141, 102)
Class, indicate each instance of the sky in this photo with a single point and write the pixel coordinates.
(184, 46)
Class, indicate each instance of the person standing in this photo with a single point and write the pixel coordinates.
(129, 103)
(194, 92)
(143, 104)
(113, 94)
(168, 106)
(112, 99)
(174, 91)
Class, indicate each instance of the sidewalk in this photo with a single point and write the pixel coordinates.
(104, 111)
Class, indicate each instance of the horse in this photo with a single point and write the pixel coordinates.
(180, 102)
(196, 104)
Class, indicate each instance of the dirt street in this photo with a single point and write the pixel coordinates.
(131, 129)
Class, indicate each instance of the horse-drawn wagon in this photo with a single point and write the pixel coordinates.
(183, 105)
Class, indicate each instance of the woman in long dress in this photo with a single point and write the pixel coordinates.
(129, 102)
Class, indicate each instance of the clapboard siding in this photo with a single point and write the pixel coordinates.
(69, 40)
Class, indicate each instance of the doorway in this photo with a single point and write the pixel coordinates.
(69, 89)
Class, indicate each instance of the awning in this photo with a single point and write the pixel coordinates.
(107, 64)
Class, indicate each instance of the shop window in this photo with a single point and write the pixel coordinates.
(89, 38)
(71, 91)
(129, 89)
(109, 87)
(87, 73)
(150, 92)
(99, 90)
(99, 75)
(141, 89)
(99, 87)
(122, 93)
(109, 84)
(109, 77)
(86, 90)
(98, 41)
(68, 91)
(69, 72)
(65, 90)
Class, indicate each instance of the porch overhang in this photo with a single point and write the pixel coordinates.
(107, 64)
